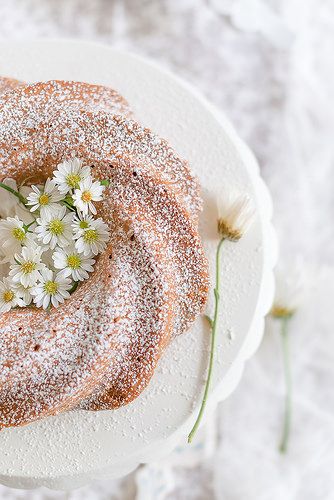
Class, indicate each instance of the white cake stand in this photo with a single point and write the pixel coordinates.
(70, 450)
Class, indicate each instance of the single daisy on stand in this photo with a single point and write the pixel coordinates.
(235, 215)
(51, 289)
(290, 290)
(44, 199)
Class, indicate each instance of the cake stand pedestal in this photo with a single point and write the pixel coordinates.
(72, 449)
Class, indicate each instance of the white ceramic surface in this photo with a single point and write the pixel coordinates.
(71, 449)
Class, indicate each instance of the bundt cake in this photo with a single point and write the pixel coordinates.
(100, 348)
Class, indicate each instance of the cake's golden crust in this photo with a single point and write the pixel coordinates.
(66, 94)
(99, 350)
(8, 84)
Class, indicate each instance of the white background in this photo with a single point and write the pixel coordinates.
(269, 66)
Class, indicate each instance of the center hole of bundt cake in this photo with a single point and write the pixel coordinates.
(56, 231)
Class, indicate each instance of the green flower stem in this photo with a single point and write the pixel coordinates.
(27, 226)
(74, 287)
(68, 205)
(288, 386)
(15, 193)
(214, 325)
(68, 202)
(105, 182)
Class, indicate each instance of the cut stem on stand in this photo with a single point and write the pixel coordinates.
(214, 325)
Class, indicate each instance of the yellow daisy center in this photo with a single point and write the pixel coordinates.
(19, 234)
(73, 180)
(51, 287)
(44, 199)
(90, 235)
(8, 296)
(73, 261)
(83, 224)
(86, 196)
(281, 312)
(56, 227)
(28, 267)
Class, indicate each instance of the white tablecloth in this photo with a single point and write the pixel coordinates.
(269, 65)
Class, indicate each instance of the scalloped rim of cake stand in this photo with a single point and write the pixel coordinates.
(230, 381)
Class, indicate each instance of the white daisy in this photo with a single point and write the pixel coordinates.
(45, 199)
(28, 265)
(55, 228)
(291, 283)
(69, 174)
(235, 214)
(8, 296)
(88, 192)
(73, 264)
(23, 292)
(52, 288)
(80, 223)
(13, 236)
(94, 239)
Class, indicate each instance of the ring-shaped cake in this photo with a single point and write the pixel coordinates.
(100, 348)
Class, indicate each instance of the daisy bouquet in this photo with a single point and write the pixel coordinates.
(49, 236)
